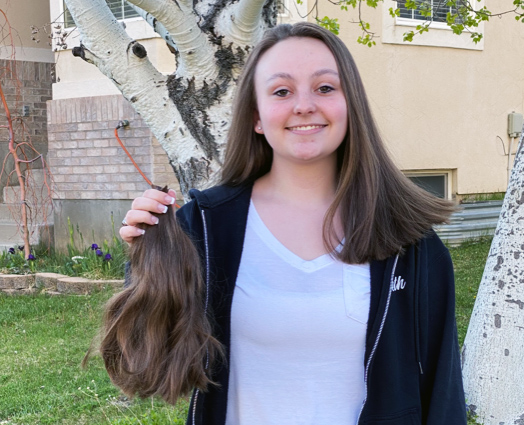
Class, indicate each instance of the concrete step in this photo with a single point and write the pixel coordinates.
(7, 211)
(13, 212)
(11, 194)
(11, 235)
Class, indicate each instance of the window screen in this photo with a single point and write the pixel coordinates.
(120, 8)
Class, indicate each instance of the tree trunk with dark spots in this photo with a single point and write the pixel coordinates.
(493, 352)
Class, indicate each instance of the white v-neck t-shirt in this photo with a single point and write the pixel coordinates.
(298, 333)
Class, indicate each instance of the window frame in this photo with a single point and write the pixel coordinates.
(447, 174)
(439, 35)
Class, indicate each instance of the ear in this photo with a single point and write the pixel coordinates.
(258, 124)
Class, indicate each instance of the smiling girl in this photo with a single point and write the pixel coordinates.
(330, 295)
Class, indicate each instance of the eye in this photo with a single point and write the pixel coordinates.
(281, 92)
(325, 89)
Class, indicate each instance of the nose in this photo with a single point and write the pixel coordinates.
(305, 103)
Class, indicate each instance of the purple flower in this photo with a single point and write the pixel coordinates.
(94, 246)
(99, 252)
(31, 257)
(11, 251)
(21, 248)
(108, 257)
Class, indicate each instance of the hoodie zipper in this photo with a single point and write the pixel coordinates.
(368, 364)
(206, 244)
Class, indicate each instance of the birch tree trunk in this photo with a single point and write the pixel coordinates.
(493, 352)
(189, 111)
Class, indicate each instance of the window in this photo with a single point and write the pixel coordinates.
(120, 8)
(440, 35)
(437, 184)
(439, 10)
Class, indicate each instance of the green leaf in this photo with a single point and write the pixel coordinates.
(410, 4)
(476, 37)
(408, 36)
(394, 12)
(424, 9)
(331, 24)
(457, 28)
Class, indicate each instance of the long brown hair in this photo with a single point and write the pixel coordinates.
(381, 210)
(157, 338)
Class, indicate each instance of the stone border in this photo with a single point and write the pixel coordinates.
(53, 284)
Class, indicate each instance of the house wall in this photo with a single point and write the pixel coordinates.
(443, 106)
(26, 69)
(92, 175)
(441, 103)
(22, 14)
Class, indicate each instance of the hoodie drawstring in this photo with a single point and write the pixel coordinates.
(416, 299)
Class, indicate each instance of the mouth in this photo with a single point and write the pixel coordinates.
(306, 127)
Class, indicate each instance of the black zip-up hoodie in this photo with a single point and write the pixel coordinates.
(412, 362)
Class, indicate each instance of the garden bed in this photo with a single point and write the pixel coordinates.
(53, 284)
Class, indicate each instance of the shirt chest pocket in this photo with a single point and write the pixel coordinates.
(357, 292)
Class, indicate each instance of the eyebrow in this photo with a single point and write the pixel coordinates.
(287, 76)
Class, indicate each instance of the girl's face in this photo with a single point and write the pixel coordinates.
(302, 109)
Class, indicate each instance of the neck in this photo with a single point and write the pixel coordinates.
(300, 182)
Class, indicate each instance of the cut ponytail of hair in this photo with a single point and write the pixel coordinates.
(156, 338)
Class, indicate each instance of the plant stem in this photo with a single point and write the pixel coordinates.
(12, 151)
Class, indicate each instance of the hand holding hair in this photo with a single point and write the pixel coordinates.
(143, 210)
(156, 335)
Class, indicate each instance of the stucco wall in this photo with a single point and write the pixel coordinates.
(444, 108)
(22, 14)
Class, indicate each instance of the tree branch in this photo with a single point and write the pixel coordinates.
(158, 27)
(196, 54)
(241, 22)
(125, 62)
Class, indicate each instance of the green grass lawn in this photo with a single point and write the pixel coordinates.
(43, 341)
(44, 338)
(468, 260)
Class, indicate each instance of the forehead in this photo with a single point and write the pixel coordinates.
(295, 56)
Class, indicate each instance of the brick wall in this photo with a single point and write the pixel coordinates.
(25, 84)
(85, 158)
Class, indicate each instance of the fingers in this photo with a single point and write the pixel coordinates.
(129, 233)
(161, 197)
(142, 209)
(153, 201)
(134, 217)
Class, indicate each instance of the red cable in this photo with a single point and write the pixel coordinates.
(133, 161)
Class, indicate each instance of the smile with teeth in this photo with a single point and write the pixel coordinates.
(306, 127)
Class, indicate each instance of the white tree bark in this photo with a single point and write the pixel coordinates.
(493, 352)
(188, 112)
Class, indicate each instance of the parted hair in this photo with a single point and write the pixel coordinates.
(381, 210)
